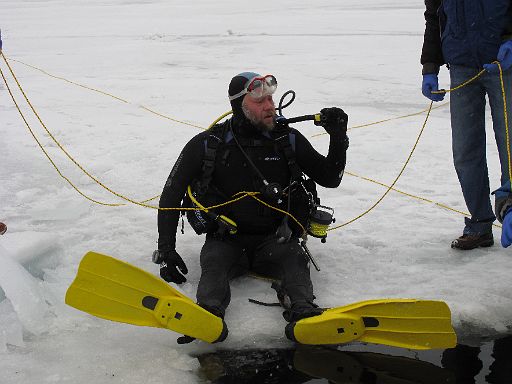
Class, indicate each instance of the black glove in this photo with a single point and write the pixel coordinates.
(170, 261)
(334, 120)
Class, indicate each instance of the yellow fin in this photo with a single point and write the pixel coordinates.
(406, 323)
(115, 290)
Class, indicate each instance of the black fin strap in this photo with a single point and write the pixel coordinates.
(264, 304)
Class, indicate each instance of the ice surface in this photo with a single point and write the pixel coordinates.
(177, 58)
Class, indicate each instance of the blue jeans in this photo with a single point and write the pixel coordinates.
(467, 108)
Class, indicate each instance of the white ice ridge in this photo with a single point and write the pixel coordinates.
(24, 292)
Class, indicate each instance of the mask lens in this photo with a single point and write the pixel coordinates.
(271, 82)
(255, 84)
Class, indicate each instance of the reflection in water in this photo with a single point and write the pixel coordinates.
(463, 361)
(460, 365)
(367, 367)
(501, 367)
(250, 366)
(305, 363)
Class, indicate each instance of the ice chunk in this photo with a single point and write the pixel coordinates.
(11, 331)
(24, 292)
(35, 251)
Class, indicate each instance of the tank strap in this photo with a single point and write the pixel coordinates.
(210, 153)
(286, 143)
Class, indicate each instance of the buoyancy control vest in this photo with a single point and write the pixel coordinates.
(226, 171)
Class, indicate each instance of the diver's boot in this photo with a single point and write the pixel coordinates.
(301, 310)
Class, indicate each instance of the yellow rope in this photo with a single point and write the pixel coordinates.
(441, 91)
(282, 211)
(170, 118)
(505, 112)
(71, 82)
(217, 120)
(220, 118)
(141, 203)
(413, 196)
(105, 93)
(46, 153)
(396, 179)
(243, 194)
(59, 145)
(389, 188)
(386, 120)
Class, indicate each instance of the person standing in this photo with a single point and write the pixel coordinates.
(469, 36)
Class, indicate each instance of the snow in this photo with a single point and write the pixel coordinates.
(177, 58)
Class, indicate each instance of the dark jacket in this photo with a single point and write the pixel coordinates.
(464, 32)
(233, 174)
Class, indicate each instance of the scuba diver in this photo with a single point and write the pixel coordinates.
(253, 151)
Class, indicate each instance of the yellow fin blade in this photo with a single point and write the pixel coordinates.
(406, 323)
(114, 290)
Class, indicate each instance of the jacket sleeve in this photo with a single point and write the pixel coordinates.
(431, 53)
(324, 170)
(186, 168)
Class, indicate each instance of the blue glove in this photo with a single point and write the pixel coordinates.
(506, 230)
(431, 83)
(504, 57)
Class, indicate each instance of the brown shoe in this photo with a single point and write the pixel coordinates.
(472, 241)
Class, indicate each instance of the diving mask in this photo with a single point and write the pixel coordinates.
(258, 87)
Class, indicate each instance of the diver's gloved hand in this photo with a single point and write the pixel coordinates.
(334, 120)
(172, 266)
(506, 229)
(431, 83)
(504, 57)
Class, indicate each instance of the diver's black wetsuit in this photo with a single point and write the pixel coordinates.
(255, 242)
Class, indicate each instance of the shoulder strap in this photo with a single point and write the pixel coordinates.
(286, 143)
(212, 142)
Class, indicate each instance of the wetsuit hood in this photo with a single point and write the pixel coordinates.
(237, 85)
